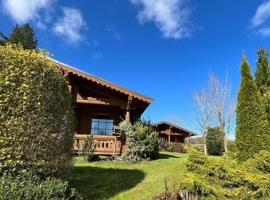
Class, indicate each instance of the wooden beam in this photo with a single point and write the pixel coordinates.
(101, 90)
(101, 101)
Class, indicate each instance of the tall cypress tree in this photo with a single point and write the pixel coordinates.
(23, 35)
(262, 79)
(262, 75)
(252, 132)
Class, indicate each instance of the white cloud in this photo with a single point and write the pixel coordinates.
(170, 16)
(25, 10)
(260, 21)
(70, 25)
(264, 31)
(261, 15)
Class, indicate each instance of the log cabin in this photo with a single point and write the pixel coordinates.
(99, 107)
(172, 133)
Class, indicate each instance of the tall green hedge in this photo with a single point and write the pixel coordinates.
(215, 141)
(35, 113)
(252, 132)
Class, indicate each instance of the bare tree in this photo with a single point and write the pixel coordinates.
(203, 112)
(222, 105)
(214, 106)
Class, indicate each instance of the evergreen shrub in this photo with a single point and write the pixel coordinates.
(142, 141)
(32, 188)
(215, 141)
(221, 178)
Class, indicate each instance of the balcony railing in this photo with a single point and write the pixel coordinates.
(104, 144)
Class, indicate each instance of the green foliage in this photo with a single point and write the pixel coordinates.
(21, 188)
(36, 115)
(215, 141)
(262, 74)
(164, 145)
(23, 35)
(221, 178)
(262, 79)
(252, 132)
(142, 141)
(3, 39)
(231, 146)
(88, 148)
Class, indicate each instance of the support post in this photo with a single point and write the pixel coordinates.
(128, 108)
(169, 136)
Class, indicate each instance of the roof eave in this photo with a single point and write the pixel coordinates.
(108, 84)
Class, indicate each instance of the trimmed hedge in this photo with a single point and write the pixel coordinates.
(21, 188)
(36, 115)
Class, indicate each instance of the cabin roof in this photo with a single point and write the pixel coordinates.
(179, 128)
(102, 82)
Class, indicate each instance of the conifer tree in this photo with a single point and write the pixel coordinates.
(262, 79)
(23, 35)
(262, 75)
(252, 132)
(3, 39)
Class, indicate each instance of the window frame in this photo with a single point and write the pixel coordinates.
(104, 125)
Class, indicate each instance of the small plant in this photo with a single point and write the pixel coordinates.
(88, 148)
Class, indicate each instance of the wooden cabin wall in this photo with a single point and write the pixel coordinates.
(86, 112)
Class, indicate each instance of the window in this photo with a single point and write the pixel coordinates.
(101, 125)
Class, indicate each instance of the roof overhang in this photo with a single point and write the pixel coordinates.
(70, 69)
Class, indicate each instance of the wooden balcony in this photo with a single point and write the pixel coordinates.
(104, 144)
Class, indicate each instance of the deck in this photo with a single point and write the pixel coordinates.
(104, 144)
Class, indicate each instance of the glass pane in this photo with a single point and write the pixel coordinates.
(102, 125)
(94, 131)
(102, 131)
(94, 125)
(109, 125)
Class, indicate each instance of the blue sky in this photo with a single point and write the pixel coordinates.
(161, 48)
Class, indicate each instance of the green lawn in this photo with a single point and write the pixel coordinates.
(122, 180)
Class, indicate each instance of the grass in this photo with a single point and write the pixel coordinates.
(127, 181)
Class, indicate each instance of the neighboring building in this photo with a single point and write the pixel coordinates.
(172, 133)
(99, 107)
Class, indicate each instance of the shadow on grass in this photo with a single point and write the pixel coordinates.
(102, 183)
(166, 156)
